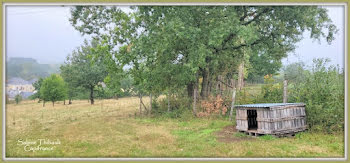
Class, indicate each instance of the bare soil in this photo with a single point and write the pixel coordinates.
(227, 135)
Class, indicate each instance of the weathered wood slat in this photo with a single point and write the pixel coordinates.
(275, 120)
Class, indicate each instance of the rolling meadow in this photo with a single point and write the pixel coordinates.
(113, 128)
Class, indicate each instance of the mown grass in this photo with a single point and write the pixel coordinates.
(110, 129)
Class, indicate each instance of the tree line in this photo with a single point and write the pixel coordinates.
(192, 50)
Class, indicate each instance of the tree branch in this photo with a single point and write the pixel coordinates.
(244, 14)
(232, 35)
(257, 16)
(225, 83)
(144, 105)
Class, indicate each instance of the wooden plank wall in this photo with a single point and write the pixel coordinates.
(281, 119)
(241, 119)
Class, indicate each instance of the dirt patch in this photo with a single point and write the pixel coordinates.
(228, 134)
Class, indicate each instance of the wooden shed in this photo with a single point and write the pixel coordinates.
(271, 118)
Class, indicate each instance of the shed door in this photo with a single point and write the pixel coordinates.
(252, 123)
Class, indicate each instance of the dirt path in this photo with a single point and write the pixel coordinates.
(228, 135)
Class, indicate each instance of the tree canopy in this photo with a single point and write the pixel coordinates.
(80, 70)
(171, 47)
(53, 89)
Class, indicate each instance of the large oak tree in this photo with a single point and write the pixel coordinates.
(174, 46)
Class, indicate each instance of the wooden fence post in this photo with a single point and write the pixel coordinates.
(233, 98)
(285, 94)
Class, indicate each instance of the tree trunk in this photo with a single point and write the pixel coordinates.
(209, 87)
(64, 102)
(70, 101)
(53, 103)
(140, 96)
(205, 82)
(194, 100)
(190, 90)
(233, 98)
(43, 103)
(92, 95)
(217, 87)
(168, 101)
(195, 89)
(150, 102)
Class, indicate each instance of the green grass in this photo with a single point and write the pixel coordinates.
(86, 130)
(267, 137)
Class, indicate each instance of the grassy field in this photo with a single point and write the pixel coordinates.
(110, 129)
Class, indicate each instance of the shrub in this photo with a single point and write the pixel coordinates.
(245, 96)
(323, 93)
(212, 106)
(179, 107)
(271, 92)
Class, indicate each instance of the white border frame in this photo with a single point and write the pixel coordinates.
(174, 159)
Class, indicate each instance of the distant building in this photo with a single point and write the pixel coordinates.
(17, 85)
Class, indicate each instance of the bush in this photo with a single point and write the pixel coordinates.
(245, 96)
(213, 106)
(180, 107)
(271, 92)
(322, 90)
(323, 93)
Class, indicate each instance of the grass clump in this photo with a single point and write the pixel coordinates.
(240, 135)
(267, 137)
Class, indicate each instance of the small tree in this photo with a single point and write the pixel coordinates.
(81, 70)
(18, 98)
(37, 86)
(53, 89)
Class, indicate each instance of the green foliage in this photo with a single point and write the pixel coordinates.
(179, 108)
(53, 89)
(37, 86)
(295, 72)
(119, 85)
(262, 65)
(81, 70)
(271, 92)
(18, 98)
(322, 91)
(172, 47)
(245, 96)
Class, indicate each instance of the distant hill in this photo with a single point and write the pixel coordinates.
(28, 68)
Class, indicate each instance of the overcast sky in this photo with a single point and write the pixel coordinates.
(45, 34)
